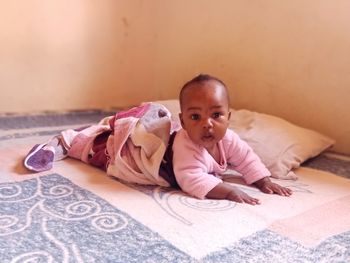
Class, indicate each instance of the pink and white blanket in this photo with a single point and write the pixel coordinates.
(135, 146)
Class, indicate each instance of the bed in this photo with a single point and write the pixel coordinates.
(77, 213)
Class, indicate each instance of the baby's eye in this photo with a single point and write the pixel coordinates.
(195, 117)
(216, 115)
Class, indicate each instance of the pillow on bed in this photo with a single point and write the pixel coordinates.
(281, 145)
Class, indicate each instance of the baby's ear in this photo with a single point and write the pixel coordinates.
(181, 121)
(229, 115)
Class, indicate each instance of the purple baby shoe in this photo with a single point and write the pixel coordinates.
(40, 158)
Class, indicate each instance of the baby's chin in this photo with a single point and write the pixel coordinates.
(208, 142)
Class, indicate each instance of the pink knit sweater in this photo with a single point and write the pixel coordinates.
(197, 172)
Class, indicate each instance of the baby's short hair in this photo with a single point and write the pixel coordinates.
(201, 78)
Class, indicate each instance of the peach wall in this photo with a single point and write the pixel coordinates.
(287, 58)
(62, 54)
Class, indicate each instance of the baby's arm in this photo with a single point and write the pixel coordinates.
(232, 193)
(254, 172)
(267, 186)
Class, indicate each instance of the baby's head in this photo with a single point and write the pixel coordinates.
(204, 103)
(199, 81)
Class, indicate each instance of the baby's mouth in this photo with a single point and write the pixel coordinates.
(207, 137)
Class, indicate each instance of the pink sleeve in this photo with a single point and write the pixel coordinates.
(191, 168)
(241, 157)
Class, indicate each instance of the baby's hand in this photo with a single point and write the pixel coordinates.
(239, 196)
(268, 187)
(232, 193)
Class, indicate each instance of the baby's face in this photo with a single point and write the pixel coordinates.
(205, 113)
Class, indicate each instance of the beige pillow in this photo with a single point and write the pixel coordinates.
(281, 145)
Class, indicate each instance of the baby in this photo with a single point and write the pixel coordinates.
(204, 148)
(140, 145)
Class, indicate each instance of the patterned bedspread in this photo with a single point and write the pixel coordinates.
(76, 213)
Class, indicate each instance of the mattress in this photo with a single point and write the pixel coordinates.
(77, 213)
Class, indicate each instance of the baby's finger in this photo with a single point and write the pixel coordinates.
(282, 191)
(237, 199)
(287, 191)
(267, 190)
(252, 201)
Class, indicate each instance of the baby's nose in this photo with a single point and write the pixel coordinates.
(207, 123)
